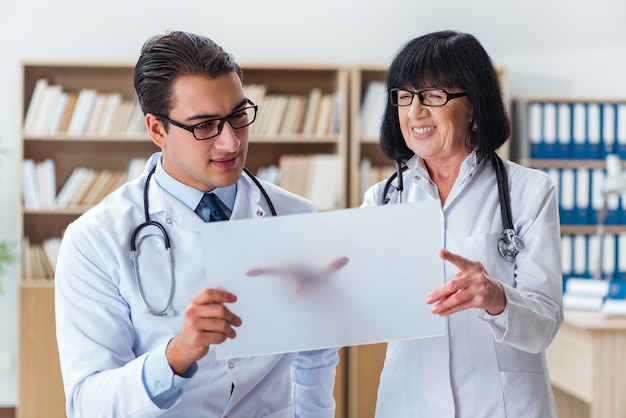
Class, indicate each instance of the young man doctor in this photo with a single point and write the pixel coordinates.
(125, 349)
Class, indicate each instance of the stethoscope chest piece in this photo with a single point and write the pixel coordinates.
(510, 245)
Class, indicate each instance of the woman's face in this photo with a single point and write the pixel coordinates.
(437, 133)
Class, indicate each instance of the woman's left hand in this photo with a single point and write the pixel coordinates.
(471, 287)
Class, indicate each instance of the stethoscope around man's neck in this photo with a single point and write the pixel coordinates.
(509, 244)
(167, 310)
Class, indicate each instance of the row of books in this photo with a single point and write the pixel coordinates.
(580, 197)
(372, 108)
(53, 110)
(580, 256)
(372, 174)
(83, 187)
(39, 259)
(565, 130)
(314, 114)
(605, 296)
(316, 177)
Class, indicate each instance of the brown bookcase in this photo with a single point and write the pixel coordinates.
(40, 385)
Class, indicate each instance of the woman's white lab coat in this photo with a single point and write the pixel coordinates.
(104, 334)
(486, 366)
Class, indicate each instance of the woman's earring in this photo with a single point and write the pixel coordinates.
(474, 127)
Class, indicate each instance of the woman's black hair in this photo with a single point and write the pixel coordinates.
(448, 59)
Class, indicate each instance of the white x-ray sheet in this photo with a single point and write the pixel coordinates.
(331, 279)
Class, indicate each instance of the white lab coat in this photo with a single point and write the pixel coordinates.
(486, 366)
(104, 334)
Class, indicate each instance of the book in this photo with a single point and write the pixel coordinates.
(372, 109)
(323, 189)
(68, 110)
(608, 128)
(83, 187)
(111, 106)
(98, 184)
(118, 178)
(595, 149)
(310, 116)
(46, 179)
(93, 124)
(136, 121)
(293, 112)
(124, 115)
(34, 106)
(564, 130)
(51, 247)
(325, 115)
(278, 110)
(57, 114)
(27, 272)
(82, 112)
(30, 184)
(67, 191)
(47, 110)
(579, 131)
(260, 127)
(549, 131)
(535, 130)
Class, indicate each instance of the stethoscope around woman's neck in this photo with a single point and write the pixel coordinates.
(167, 309)
(509, 244)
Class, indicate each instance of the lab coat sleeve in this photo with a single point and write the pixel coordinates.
(102, 375)
(534, 312)
(313, 377)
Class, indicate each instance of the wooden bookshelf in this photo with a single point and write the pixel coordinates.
(364, 144)
(569, 138)
(40, 387)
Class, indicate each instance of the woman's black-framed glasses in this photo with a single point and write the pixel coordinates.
(211, 128)
(427, 97)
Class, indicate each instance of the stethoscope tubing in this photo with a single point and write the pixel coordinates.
(167, 310)
(509, 244)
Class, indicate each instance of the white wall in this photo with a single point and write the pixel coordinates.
(555, 47)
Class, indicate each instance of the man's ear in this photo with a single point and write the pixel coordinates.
(156, 130)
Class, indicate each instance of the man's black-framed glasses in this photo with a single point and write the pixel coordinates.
(211, 128)
(427, 97)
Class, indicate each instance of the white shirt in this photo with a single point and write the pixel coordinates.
(104, 335)
(486, 366)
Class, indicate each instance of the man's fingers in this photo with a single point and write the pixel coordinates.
(207, 296)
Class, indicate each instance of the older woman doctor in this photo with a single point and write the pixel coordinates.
(445, 118)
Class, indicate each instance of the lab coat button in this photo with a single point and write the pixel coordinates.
(259, 212)
(168, 221)
(231, 365)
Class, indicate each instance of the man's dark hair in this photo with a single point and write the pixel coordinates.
(165, 58)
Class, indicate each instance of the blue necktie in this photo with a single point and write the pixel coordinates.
(210, 208)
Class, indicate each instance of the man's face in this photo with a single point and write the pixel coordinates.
(210, 163)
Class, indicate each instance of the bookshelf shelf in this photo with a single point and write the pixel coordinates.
(87, 138)
(113, 145)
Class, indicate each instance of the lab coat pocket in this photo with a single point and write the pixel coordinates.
(527, 395)
(484, 248)
(283, 413)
